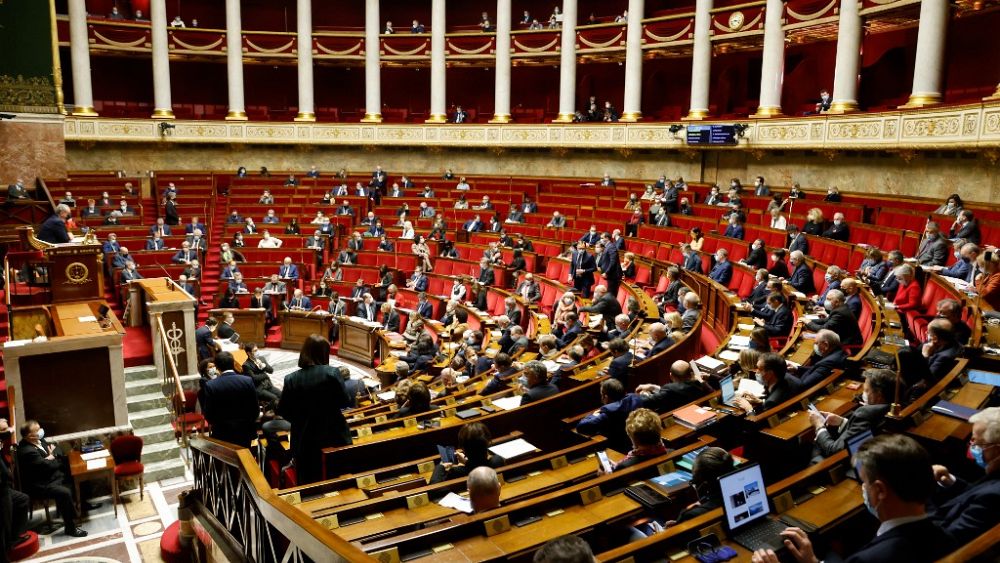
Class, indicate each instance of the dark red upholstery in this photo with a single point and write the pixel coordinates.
(129, 469)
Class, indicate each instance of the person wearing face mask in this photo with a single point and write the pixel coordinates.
(839, 230)
(832, 279)
(757, 257)
(802, 276)
(889, 284)
(933, 250)
(722, 272)
(950, 207)
(758, 295)
(965, 227)
(967, 510)
(779, 267)
(15, 506)
(828, 355)
(965, 257)
(896, 482)
(772, 373)
(692, 261)
(941, 348)
(833, 431)
(775, 317)
(44, 475)
(824, 101)
(257, 368)
(840, 319)
(536, 383)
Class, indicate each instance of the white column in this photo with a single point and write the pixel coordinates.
(701, 60)
(845, 76)
(632, 108)
(772, 68)
(83, 93)
(567, 64)
(439, 78)
(373, 74)
(929, 64)
(234, 62)
(501, 92)
(307, 107)
(162, 108)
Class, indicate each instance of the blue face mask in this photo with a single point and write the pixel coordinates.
(868, 505)
(977, 455)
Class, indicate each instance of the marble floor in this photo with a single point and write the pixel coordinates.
(132, 536)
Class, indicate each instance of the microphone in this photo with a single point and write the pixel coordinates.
(314, 309)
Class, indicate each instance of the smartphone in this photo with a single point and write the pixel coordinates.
(602, 458)
(813, 408)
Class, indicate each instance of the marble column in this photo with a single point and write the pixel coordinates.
(501, 92)
(929, 65)
(567, 64)
(307, 106)
(632, 108)
(845, 75)
(772, 68)
(373, 72)
(162, 108)
(83, 92)
(439, 71)
(701, 60)
(234, 62)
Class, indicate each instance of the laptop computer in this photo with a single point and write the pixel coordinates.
(748, 510)
(728, 394)
(852, 448)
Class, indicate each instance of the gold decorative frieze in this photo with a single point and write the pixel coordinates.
(960, 127)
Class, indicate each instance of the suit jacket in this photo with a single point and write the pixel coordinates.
(129, 275)
(303, 303)
(864, 418)
(670, 295)
(607, 306)
(583, 260)
(368, 312)
(229, 403)
(610, 267)
(802, 279)
(425, 309)
(164, 232)
(154, 244)
(781, 392)
(311, 401)
(675, 394)
(689, 318)
(777, 323)
(559, 221)
(734, 231)
(391, 322)
(421, 283)
(967, 510)
(969, 231)
(37, 473)
(959, 270)
(486, 276)
(609, 421)
(538, 392)
(840, 232)
(53, 230)
(514, 315)
(800, 242)
(590, 238)
(757, 258)
(842, 321)
(621, 367)
(693, 263)
(568, 334)
(941, 362)
(722, 273)
(822, 368)
(529, 291)
(288, 272)
(662, 345)
(758, 296)
(473, 226)
(920, 541)
(932, 253)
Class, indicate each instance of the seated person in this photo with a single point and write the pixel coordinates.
(941, 348)
(536, 383)
(643, 427)
(722, 272)
(827, 356)
(692, 311)
(684, 387)
(801, 278)
(609, 420)
(775, 317)
(840, 319)
(229, 299)
(267, 241)
(45, 475)
(287, 270)
(418, 400)
(237, 285)
(484, 489)
(257, 368)
(771, 373)
(299, 302)
(969, 510)
(474, 440)
(833, 431)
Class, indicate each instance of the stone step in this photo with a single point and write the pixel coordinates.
(162, 470)
(156, 433)
(146, 401)
(162, 451)
(143, 386)
(149, 417)
(141, 372)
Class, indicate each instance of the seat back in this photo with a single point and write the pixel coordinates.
(126, 448)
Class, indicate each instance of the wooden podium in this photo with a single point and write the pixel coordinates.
(248, 323)
(76, 272)
(358, 340)
(296, 326)
(162, 299)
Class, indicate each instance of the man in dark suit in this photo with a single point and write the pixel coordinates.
(775, 317)
(511, 310)
(758, 295)
(204, 338)
(604, 304)
(225, 330)
(460, 115)
(568, 333)
(772, 372)
(802, 277)
(424, 307)
(621, 366)
(896, 482)
(760, 188)
(692, 260)
(609, 266)
(683, 388)
(44, 475)
(185, 255)
(390, 318)
(969, 510)
(14, 505)
(486, 276)
(229, 403)
(287, 270)
(941, 348)
(419, 281)
(299, 302)
(473, 225)
(156, 243)
(840, 319)
(659, 339)
(797, 240)
(834, 431)
(582, 267)
(129, 273)
(53, 230)
(591, 237)
(528, 289)
(367, 308)
(539, 386)
(17, 191)
(722, 272)
(827, 356)
(966, 227)
(609, 420)
(933, 249)
(194, 224)
(839, 230)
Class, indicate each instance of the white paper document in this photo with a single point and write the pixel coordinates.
(729, 355)
(751, 386)
(737, 341)
(96, 464)
(747, 328)
(99, 454)
(87, 319)
(709, 363)
(514, 448)
(387, 396)
(507, 403)
(452, 500)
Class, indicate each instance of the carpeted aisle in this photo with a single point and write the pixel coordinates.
(137, 348)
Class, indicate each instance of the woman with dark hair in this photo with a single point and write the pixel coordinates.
(517, 263)
(293, 227)
(257, 368)
(238, 240)
(697, 238)
(418, 400)
(229, 300)
(780, 268)
(311, 401)
(473, 451)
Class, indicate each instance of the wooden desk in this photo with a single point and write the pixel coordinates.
(939, 427)
(357, 340)
(67, 318)
(161, 298)
(248, 323)
(296, 326)
(797, 423)
(78, 470)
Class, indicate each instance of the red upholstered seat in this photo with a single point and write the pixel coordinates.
(128, 469)
(25, 549)
(170, 545)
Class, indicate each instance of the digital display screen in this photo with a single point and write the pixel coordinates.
(711, 135)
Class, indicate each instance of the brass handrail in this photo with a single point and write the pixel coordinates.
(171, 378)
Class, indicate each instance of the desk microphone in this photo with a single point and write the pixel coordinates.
(314, 309)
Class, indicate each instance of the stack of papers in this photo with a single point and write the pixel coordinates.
(507, 403)
(550, 365)
(737, 342)
(751, 387)
(514, 448)
(452, 500)
(99, 454)
(387, 396)
(746, 328)
(93, 464)
(729, 355)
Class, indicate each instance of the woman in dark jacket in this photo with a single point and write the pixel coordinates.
(311, 400)
(257, 368)
(473, 441)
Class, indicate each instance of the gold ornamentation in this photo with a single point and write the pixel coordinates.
(260, 49)
(599, 45)
(766, 112)
(812, 16)
(33, 94)
(695, 115)
(736, 20)
(536, 49)
(88, 111)
(631, 116)
(661, 39)
(236, 115)
(745, 25)
(163, 113)
(372, 118)
(461, 51)
(922, 100)
(501, 118)
(191, 47)
(121, 44)
(405, 53)
(437, 118)
(305, 116)
(77, 273)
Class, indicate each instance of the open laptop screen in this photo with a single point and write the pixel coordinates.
(744, 499)
(728, 389)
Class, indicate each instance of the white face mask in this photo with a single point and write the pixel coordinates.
(864, 397)
(41, 433)
(816, 350)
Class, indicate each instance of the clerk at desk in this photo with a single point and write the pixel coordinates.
(299, 302)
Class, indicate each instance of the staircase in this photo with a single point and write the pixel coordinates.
(150, 419)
